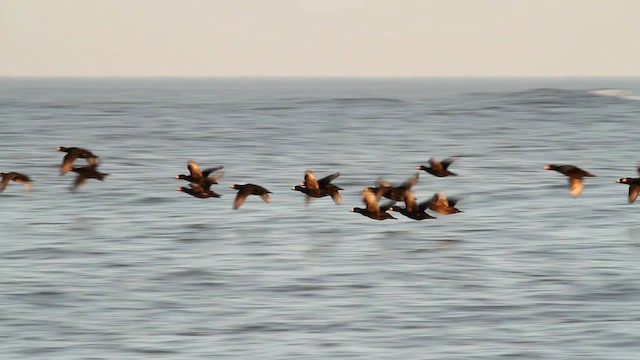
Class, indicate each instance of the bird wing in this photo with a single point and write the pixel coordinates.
(310, 180)
(410, 202)
(446, 162)
(337, 198)
(241, 196)
(67, 161)
(412, 181)
(634, 190)
(327, 179)
(380, 182)
(265, 197)
(207, 172)
(370, 199)
(5, 180)
(80, 179)
(194, 170)
(575, 186)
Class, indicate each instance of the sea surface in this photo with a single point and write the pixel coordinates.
(130, 268)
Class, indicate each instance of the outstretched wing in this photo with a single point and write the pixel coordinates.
(310, 180)
(194, 170)
(446, 162)
(575, 186)
(327, 179)
(634, 190)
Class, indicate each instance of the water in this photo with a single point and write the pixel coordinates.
(129, 268)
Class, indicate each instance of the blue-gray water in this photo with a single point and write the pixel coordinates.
(129, 268)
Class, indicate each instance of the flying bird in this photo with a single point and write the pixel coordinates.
(372, 209)
(634, 186)
(87, 172)
(574, 174)
(249, 189)
(314, 188)
(16, 177)
(201, 177)
(412, 209)
(438, 168)
(442, 204)
(73, 153)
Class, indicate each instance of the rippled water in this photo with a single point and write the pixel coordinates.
(129, 268)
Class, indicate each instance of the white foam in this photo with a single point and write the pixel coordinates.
(617, 93)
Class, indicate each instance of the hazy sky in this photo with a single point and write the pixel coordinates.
(320, 37)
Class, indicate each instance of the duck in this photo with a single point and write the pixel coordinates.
(16, 177)
(87, 172)
(314, 188)
(634, 186)
(438, 168)
(198, 191)
(575, 175)
(412, 209)
(372, 209)
(201, 177)
(73, 153)
(442, 204)
(395, 193)
(245, 190)
(329, 190)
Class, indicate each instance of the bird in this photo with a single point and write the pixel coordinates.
(17, 177)
(412, 209)
(201, 177)
(438, 168)
(86, 172)
(198, 191)
(73, 153)
(249, 189)
(329, 190)
(395, 193)
(634, 186)
(575, 175)
(314, 188)
(442, 204)
(372, 209)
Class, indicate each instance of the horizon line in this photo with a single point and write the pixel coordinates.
(313, 76)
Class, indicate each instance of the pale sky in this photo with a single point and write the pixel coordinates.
(320, 38)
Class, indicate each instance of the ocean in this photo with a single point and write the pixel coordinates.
(130, 268)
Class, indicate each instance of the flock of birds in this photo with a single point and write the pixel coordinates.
(200, 182)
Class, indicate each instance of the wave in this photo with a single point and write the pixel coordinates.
(353, 100)
(616, 93)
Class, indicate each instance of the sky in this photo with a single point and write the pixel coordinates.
(344, 38)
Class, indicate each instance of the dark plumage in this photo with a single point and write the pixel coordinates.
(575, 175)
(412, 209)
(319, 188)
(198, 191)
(395, 193)
(442, 204)
(373, 210)
(438, 168)
(17, 177)
(201, 177)
(73, 153)
(249, 189)
(87, 172)
(634, 187)
(329, 190)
